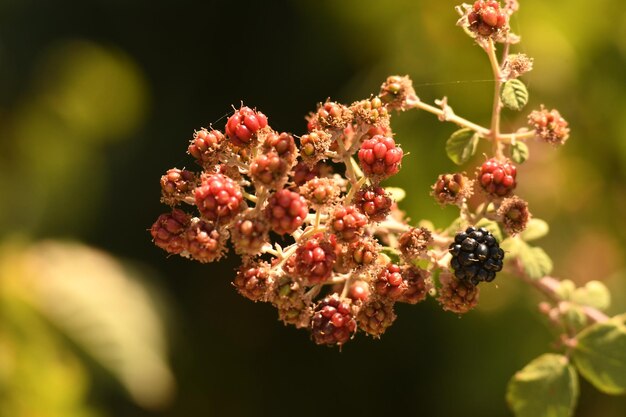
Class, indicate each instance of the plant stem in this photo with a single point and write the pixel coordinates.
(494, 134)
(548, 286)
(449, 116)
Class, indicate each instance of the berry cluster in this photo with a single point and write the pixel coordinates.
(319, 236)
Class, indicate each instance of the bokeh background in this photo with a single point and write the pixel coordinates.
(99, 98)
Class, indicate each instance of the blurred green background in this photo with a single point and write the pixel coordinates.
(99, 98)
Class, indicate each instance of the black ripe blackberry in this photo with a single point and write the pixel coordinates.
(476, 255)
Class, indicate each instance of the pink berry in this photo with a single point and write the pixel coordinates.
(333, 321)
(242, 127)
(379, 157)
(168, 231)
(219, 198)
(497, 178)
(314, 259)
(286, 211)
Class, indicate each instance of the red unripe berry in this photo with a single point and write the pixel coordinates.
(254, 281)
(314, 259)
(249, 232)
(286, 211)
(333, 321)
(379, 157)
(348, 223)
(390, 283)
(176, 185)
(486, 18)
(168, 231)
(205, 145)
(374, 202)
(497, 178)
(204, 241)
(242, 127)
(219, 198)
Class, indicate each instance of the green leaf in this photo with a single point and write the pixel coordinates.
(514, 94)
(391, 253)
(397, 194)
(565, 289)
(594, 294)
(462, 145)
(102, 306)
(574, 316)
(535, 229)
(600, 355)
(546, 387)
(519, 152)
(492, 227)
(456, 226)
(535, 261)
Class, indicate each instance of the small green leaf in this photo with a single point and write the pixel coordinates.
(535, 229)
(600, 355)
(574, 316)
(514, 94)
(535, 261)
(397, 194)
(565, 289)
(510, 246)
(519, 152)
(455, 226)
(492, 227)
(391, 253)
(593, 294)
(546, 387)
(462, 145)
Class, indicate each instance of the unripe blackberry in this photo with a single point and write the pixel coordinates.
(375, 317)
(314, 258)
(176, 185)
(320, 192)
(452, 189)
(370, 112)
(414, 243)
(514, 215)
(549, 126)
(359, 254)
(205, 146)
(416, 285)
(283, 144)
(396, 90)
(249, 232)
(359, 290)
(219, 198)
(380, 158)
(497, 178)
(374, 202)
(486, 18)
(390, 282)
(314, 146)
(476, 256)
(302, 173)
(254, 281)
(168, 231)
(330, 115)
(242, 127)
(347, 223)
(456, 295)
(205, 242)
(333, 321)
(293, 308)
(286, 211)
(269, 169)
